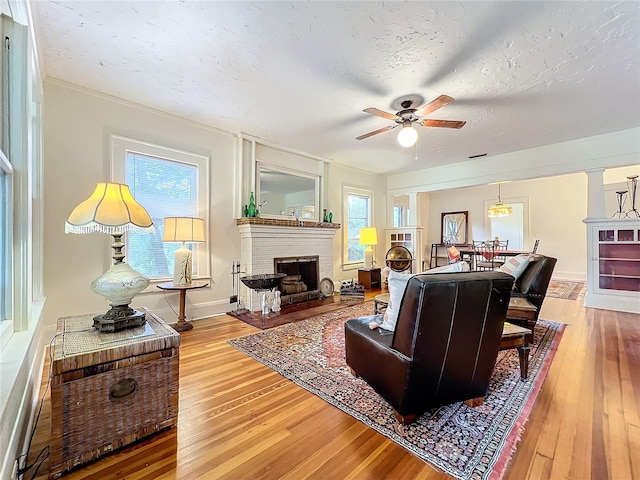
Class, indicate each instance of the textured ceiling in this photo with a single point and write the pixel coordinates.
(299, 74)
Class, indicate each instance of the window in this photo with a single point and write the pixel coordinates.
(5, 247)
(357, 212)
(168, 183)
(16, 167)
(398, 216)
(401, 210)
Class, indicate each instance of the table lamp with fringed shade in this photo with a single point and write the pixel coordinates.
(368, 237)
(185, 230)
(112, 209)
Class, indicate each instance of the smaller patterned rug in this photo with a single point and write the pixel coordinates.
(466, 443)
(566, 289)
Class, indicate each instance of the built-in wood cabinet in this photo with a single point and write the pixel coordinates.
(411, 239)
(613, 270)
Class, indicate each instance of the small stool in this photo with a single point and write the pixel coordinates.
(380, 303)
(369, 277)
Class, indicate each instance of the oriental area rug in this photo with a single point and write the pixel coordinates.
(464, 442)
(566, 289)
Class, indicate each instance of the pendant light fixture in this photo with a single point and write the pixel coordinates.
(499, 209)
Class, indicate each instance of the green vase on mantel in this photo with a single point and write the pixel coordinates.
(251, 210)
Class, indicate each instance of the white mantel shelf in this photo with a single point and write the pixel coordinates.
(285, 223)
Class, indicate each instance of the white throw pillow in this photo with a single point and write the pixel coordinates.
(398, 284)
(515, 266)
(452, 267)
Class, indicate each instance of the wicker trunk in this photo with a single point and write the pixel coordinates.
(110, 389)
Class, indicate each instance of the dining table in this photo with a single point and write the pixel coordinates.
(490, 253)
(487, 253)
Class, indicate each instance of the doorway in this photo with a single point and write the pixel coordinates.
(514, 228)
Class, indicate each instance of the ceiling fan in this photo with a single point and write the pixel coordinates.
(409, 115)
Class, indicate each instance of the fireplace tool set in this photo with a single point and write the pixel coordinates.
(236, 272)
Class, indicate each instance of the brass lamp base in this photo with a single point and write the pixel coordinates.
(118, 318)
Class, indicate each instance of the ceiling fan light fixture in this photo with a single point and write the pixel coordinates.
(408, 136)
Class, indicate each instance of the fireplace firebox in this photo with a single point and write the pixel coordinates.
(302, 278)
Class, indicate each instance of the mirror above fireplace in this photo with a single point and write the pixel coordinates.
(287, 193)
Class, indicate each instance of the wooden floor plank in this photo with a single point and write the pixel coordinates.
(540, 468)
(239, 419)
(581, 453)
(633, 434)
(629, 347)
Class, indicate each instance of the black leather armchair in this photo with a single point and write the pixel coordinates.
(445, 344)
(532, 285)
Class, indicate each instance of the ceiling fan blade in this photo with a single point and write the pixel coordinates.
(380, 113)
(434, 105)
(443, 123)
(375, 132)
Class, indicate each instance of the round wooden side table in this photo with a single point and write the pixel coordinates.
(182, 325)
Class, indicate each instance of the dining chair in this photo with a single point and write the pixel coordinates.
(498, 259)
(535, 245)
(487, 254)
(482, 253)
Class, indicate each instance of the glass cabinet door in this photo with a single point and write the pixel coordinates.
(618, 259)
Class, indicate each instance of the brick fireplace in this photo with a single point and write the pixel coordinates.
(262, 240)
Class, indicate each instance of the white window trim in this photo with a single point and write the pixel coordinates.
(346, 191)
(5, 164)
(119, 148)
(6, 326)
(37, 194)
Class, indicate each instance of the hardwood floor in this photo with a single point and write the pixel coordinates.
(240, 420)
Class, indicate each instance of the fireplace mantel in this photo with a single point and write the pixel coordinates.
(285, 223)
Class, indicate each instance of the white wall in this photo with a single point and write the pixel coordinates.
(557, 207)
(338, 177)
(78, 124)
(557, 175)
(77, 127)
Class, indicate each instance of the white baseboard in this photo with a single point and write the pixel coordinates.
(618, 303)
(196, 311)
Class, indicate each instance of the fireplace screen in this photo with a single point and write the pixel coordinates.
(302, 278)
